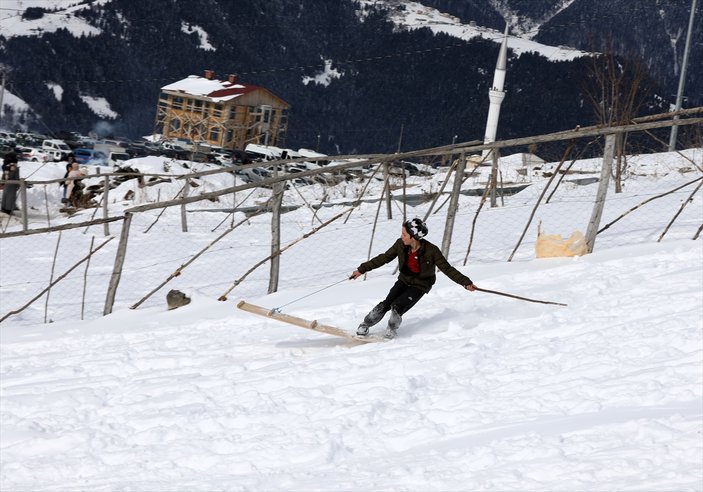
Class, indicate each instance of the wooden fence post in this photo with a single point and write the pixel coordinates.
(119, 263)
(276, 201)
(46, 206)
(453, 205)
(594, 223)
(23, 204)
(184, 221)
(386, 178)
(106, 190)
(494, 177)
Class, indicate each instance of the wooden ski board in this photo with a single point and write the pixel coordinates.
(304, 323)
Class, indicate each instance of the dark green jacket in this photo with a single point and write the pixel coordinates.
(429, 257)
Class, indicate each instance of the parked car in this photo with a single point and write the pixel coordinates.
(253, 174)
(29, 139)
(7, 138)
(24, 153)
(242, 157)
(90, 157)
(39, 155)
(221, 159)
(143, 149)
(173, 146)
(117, 158)
(58, 149)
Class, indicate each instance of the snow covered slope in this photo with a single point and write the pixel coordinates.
(479, 392)
(414, 15)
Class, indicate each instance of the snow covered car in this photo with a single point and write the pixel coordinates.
(90, 157)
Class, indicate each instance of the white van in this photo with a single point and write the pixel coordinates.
(58, 149)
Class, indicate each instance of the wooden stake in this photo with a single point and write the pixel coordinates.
(162, 211)
(120, 255)
(647, 201)
(46, 204)
(375, 222)
(51, 277)
(184, 220)
(698, 233)
(463, 180)
(85, 275)
(683, 205)
(563, 175)
(363, 191)
(453, 206)
(473, 223)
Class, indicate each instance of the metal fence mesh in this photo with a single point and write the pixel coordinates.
(157, 248)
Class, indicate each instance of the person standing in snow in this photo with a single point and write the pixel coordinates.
(74, 187)
(417, 259)
(10, 171)
(64, 183)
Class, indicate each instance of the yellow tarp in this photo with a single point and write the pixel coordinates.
(553, 245)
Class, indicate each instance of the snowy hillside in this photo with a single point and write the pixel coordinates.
(478, 392)
(414, 15)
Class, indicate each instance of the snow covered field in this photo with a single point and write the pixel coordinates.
(479, 392)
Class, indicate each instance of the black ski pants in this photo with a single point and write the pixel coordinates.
(399, 300)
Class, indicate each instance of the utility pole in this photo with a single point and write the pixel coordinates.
(496, 94)
(682, 78)
(400, 138)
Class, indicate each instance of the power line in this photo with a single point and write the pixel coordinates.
(268, 70)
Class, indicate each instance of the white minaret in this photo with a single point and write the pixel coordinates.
(496, 93)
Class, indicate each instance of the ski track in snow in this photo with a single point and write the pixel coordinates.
(479, 392)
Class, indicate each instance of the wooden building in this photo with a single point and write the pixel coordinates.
(224, 113)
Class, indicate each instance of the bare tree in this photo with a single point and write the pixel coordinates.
(617, 88)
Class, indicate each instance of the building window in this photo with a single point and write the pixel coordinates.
(175, 125)
(164, 96)
(232, 113)
(177, 102)
(214, 134)
(218, 110)
(198, 105)
(189, 104)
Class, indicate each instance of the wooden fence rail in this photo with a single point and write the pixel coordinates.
(340, 164)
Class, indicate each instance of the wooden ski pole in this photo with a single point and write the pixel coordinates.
(518, 297)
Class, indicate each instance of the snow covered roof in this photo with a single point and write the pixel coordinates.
(217, 90)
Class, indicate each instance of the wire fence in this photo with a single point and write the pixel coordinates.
(227, 244)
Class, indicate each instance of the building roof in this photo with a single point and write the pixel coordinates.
(217, 90)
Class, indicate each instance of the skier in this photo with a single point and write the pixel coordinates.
(417, 259)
